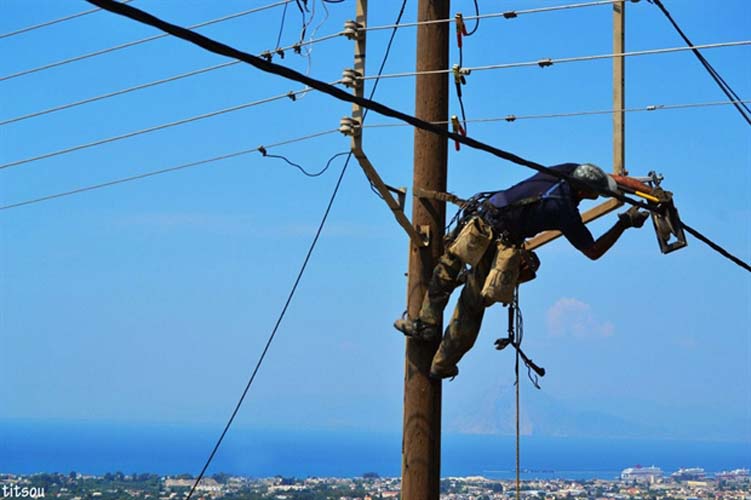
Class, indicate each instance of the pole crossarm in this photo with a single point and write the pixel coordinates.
(396, 206)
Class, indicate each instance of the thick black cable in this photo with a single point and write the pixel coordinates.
(743, 109)
(302, 269)
(270, 67)
(717, 248)
(275, 329)
(300, 167)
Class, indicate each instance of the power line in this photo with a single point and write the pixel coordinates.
(507, 118)
(175, 168)
(137, 42)
(118, 92)
(54, 21)
(299, 275)
(724, 86)
(276, 325)
(154, 83)
(225, 50)
(509, 14)
(512, 118)
(291, 95)
(549, 62)
(717, 248)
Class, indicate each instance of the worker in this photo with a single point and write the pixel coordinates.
(490, 239)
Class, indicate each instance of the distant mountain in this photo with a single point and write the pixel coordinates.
(541, 415)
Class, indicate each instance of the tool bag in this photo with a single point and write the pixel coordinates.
(472, 241)
(530, 263)
(503, 276)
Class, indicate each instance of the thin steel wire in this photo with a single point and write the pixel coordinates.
(548, 61)
(137, 42)
(53, 21)
(154, 128)
(513, 118)
(145, 85)
(505, 14)
(152, 173)
(118, 92)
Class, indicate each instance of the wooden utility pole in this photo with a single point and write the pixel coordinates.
(421, 444)
(619, 101)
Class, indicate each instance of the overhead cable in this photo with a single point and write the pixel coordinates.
(299, 276)
(509, 14)
(137, 42)
(269, 67)
(54, 21)
(291, 95)
(717, 248)
(267, 54)
(724, 86)
(513, 118)
(278, 322)
(543, 63)
(118, 92)
(175, 168)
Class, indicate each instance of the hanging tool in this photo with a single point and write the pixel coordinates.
(665, 218)
(458, 129)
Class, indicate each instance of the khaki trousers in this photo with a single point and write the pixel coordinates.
(465, 323)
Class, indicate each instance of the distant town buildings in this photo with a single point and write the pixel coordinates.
(647, 483)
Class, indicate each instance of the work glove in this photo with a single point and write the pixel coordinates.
(633, 217)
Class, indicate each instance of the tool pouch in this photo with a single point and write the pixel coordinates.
(472, 241)
(503, 276)
(530, 263)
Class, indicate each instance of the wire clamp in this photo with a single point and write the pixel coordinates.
(292, 96)
(352, 30)
(297, 48)
(280, 52)
(510, 14)
(461, 28)
(350, 77)
(458, 129)
(262, 150)
(510, 118)
(544, 63)
(267, 55)
(349, 126)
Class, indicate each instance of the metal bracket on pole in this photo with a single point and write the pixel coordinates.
(419, 238)
(352, 126)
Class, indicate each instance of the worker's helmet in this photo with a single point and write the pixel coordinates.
(594, 176)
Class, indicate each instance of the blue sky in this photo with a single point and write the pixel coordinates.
(151, 301)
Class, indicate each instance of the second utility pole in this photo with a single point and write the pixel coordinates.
(421, 444)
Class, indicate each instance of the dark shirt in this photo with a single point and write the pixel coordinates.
(557, 210)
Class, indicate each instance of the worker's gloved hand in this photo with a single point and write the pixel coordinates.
(633, 217)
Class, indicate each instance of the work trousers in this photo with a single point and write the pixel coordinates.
(465, 324)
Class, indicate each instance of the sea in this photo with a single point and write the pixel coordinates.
(96, 448)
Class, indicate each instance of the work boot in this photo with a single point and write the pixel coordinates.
(438, 374)
(417, 329)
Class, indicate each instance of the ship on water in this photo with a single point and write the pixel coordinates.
(642, 474)
(689, 474)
